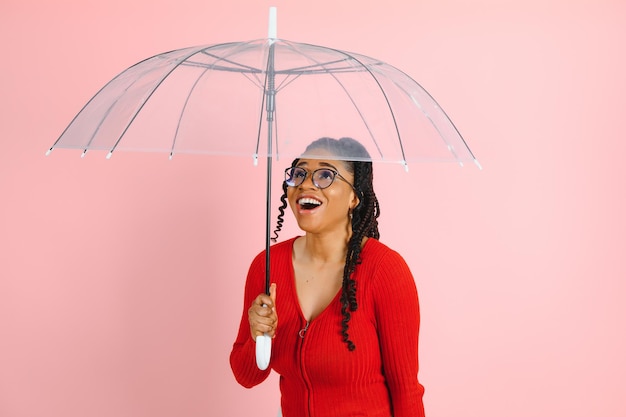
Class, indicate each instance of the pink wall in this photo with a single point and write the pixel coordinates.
(120, 280)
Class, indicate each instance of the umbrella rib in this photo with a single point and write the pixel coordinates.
(382, 90)
(221, 68)
(320, 68)
(251, 73)
(154, 88)
(250, 69)
(256, 81)
(321, 71)
(108, 111)
(354, 103)
(145, 100)
(293, 75)
(311, 69)
(241, 68)
(286, 81)
(432, 122)
(246, 74)
(182, 111)
(369, 130)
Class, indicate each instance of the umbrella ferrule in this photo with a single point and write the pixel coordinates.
(272, 30)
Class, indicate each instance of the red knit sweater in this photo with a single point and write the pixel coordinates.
(319, 377)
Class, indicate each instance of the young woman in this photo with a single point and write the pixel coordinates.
(343, 308)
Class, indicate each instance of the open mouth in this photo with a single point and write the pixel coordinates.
(309, 203)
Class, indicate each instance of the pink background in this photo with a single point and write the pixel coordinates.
(121, 280)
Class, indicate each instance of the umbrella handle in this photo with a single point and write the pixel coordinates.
(263, 351)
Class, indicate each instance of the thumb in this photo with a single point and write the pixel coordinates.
(273, 293)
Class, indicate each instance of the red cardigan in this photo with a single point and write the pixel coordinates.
(319, 376)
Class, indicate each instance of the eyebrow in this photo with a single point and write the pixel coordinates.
(324, 164)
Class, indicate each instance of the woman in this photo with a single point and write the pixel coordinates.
(343, 309)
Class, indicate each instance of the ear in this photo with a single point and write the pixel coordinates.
(355, 201)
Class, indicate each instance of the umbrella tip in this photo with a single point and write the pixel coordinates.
(110, 154)
(171, 155)
(49, 151)
(406, 166)
(480, 167)
(255, 159)
(271, 34)
(82, 155)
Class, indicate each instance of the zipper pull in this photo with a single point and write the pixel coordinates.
(303, 331)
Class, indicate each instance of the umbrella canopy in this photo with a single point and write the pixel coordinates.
(265, 98)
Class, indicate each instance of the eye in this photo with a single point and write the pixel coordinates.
(325, 174)
(298, 173)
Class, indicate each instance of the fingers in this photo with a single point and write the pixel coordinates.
(262, 314)
(262, 320)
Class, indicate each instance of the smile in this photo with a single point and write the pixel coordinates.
(308, 203)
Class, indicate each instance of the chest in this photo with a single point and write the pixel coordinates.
(316, 287)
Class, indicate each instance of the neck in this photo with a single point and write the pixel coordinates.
(326, 248)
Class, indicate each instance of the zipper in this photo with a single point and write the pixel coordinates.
(302, 333)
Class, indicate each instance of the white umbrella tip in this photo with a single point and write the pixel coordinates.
(110, 154)
(49, 151)
(272, 31)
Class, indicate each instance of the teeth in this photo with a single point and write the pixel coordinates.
(304, 201)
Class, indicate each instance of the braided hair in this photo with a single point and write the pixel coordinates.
(364, 217)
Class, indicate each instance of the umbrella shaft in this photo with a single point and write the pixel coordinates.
(268, 222)
(270, 106)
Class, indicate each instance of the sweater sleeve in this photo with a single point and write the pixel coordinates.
(397, 316)
(243, 355)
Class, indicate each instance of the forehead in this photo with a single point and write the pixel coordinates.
(315, 163)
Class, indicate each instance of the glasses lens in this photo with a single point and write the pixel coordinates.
(294, 176)
(323, 178)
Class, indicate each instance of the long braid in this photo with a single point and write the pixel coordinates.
(283, 205)
(364, 224)
(281, 213)
(364, 220)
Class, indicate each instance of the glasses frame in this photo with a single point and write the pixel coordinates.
(308, 173)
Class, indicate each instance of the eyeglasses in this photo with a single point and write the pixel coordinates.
(322, 178)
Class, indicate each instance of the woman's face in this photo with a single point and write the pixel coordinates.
(322, 210)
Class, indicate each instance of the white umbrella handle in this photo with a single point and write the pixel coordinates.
(263, 351)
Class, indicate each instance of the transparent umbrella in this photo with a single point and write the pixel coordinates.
(268, 99)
